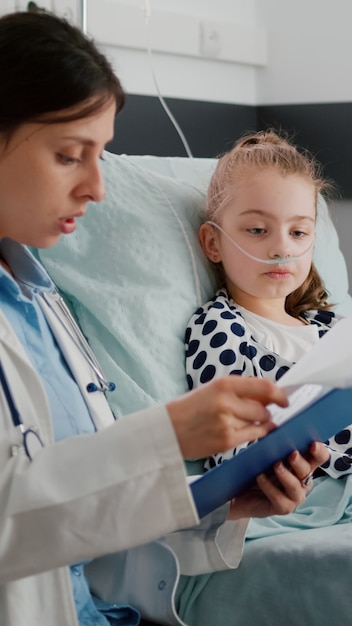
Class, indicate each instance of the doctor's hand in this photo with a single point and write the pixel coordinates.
(223, 413)
(280, 492)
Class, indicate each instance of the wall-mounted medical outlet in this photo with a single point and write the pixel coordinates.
(210, 40)
(117, 24)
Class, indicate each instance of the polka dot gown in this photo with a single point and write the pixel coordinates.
(219, 343)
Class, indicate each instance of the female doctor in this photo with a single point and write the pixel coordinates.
(83, 497)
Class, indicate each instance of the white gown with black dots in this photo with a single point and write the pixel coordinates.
(223, 338)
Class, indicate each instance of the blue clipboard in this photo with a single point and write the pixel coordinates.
(322, 419)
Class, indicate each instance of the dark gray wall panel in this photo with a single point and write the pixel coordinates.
(211, 128)
(324, 129)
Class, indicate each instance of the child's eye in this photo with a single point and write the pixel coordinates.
(256, 231)
(298, 234)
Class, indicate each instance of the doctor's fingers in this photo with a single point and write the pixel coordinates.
(241, 401)
(239, 420)
(214, 418)
(265, 391)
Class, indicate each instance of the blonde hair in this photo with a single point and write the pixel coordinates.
(269, 150)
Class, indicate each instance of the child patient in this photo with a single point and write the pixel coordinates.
(272, 307)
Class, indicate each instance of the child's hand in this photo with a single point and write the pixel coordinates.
(280, 493)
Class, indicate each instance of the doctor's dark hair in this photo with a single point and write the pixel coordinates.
(48, 65)
(261, 151)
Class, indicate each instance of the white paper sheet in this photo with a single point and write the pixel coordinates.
(328, 363)
(326, 366)
(299, 398)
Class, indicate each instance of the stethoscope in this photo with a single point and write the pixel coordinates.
(31, 439)
(76, 335)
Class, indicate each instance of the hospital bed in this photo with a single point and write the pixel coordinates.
(133, 273)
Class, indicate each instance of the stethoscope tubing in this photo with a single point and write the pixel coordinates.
(78, 339)
(15, 414)
(31, 439)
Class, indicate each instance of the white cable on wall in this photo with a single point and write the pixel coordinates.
(83, 16)
(147, 14)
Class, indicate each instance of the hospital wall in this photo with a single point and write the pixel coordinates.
(291, 69)
(303, 84)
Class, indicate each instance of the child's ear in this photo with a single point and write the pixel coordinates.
(209, 241)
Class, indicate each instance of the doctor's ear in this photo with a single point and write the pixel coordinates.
(208, 238)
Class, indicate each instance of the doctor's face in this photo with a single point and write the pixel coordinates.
(48, 174)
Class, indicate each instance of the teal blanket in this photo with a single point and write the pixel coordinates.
(296, 569)
(329, 503)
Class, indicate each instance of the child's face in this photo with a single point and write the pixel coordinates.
(270, 216)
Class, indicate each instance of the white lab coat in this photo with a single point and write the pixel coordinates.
(109, 493)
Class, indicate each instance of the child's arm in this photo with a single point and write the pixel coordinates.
(218, 343)
(214, 350)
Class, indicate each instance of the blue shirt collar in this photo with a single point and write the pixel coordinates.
(26, 268)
